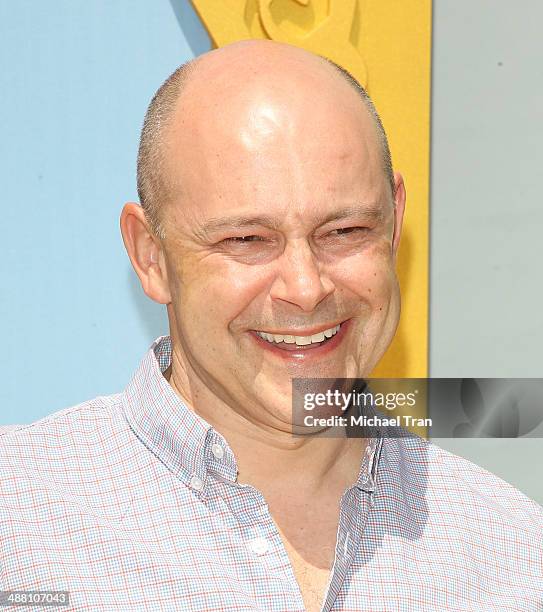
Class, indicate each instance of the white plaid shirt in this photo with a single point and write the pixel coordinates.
(130, 502)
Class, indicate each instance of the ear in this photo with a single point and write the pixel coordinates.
(399, 207)
(145, 253)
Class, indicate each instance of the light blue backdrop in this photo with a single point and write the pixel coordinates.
(76, 78)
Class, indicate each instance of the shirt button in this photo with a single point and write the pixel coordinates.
(217, 450)
(197, 483)
(259, 546)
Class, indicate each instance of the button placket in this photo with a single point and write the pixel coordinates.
(352, 520)
(263, 541)
(346, 545)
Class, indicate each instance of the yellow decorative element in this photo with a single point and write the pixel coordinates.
(386, 45)
(327, 28)
(321, 26)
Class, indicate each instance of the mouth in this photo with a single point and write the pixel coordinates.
(302, 345)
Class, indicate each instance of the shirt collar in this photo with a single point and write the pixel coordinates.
(181, 439)
(185, 443)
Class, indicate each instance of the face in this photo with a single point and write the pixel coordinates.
(279, 250)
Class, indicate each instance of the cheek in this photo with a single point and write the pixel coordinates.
(371, 276)
(214, 292)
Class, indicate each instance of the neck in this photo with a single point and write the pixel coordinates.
(274, 461)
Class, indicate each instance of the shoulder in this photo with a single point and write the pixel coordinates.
(461, 489)
(484, 487)
(453, 524)
(56, 430)
(79, 454)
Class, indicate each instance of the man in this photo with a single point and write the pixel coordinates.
(269, 228)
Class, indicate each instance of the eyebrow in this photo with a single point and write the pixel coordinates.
(239, 221)
(373, 212)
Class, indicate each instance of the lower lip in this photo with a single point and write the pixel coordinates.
(307, 351)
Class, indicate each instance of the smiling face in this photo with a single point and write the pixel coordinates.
(281, 227)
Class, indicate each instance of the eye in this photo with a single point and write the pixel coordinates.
(347, 230)
(242, 239)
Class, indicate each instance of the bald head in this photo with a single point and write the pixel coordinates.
(256, 72)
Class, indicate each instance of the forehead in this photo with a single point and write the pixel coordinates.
(270, 149)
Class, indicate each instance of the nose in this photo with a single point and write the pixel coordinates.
(299, 279)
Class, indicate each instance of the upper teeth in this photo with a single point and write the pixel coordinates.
(300, 340)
